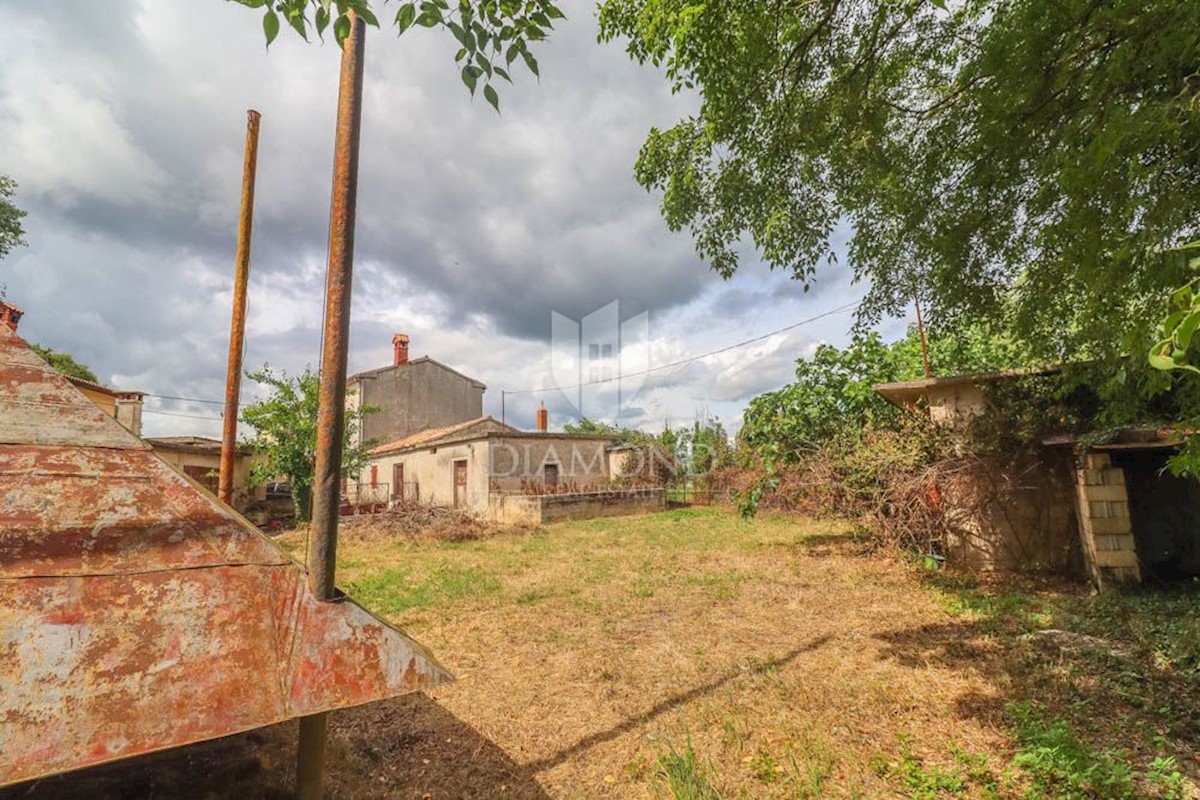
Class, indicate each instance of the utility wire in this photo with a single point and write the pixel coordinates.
(173, 414)
(185, 399)
(692, 359)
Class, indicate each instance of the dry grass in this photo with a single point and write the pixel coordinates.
(688, 653)
(588, 653)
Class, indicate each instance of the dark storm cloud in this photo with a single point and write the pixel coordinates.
(508, 216)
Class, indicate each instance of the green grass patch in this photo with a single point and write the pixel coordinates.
(393, 591)
(685, 776)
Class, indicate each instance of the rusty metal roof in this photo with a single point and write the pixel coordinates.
(138, 613)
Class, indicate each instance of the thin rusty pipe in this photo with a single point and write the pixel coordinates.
(921, 329)
(331, 404)
(237, 323)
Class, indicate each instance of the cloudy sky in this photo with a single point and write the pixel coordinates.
(124, 122)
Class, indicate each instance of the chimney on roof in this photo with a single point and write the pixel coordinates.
(543, 418)
(10, 315)
(400, 349)
(129, 411)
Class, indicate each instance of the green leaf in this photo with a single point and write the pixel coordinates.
(406, 16)
(482, 61)
(530, 62)
(341, 29)
(270, 25)
(368, 16)
(429, 17)
(503, 73)
(554, 13)
(297, 21)
(1158, 360)
(514, 50)
(490, 95)
(322, 21)
(1186, 329)
(461, 54)
(470, 76)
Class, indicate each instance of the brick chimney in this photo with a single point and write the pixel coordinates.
(400, 349)
(10, 315)
(543, 418)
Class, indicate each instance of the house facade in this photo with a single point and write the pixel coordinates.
(490, 469)
(412, 396)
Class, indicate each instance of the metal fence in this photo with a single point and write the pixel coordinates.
(698, 496)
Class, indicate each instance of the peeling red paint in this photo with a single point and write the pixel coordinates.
(136, 613)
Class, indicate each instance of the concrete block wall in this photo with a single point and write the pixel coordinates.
(1104, 524)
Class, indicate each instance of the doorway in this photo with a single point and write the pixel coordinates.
(460, 483)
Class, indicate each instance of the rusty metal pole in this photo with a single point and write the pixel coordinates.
(237, 323)
(331, 407)
(921, 328)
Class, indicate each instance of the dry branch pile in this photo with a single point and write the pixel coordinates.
(417, 522)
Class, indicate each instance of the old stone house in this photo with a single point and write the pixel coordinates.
(491, 469)
(412, 396)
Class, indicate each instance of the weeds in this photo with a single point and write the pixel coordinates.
(686, 776)
(1060, 765)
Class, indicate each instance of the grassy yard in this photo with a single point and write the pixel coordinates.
(691, 654)
(696, 655)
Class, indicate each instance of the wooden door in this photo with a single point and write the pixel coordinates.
(460, 483)
(397, 481)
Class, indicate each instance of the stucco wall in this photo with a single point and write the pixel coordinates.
(517, 509)
(432, 469)
(107, 403)
(582, 462)
(955, 404)
(243, 495)
(414, 397)
(1016, 515)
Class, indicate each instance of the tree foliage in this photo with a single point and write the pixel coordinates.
(285, 427)
(832, 399)
(12, 234)
(1015, 160)
(64, 363)
(491, 34)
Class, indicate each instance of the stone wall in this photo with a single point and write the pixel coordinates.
(1105, 528)
(516, 509)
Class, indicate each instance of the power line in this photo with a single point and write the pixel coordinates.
(692, 359)
(173, 414)
(184, 399)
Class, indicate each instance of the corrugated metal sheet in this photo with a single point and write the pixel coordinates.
(137, 613)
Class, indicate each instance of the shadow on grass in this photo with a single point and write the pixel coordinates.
(406, 747)
(669, 704)
(1121, 670)
(826, 545)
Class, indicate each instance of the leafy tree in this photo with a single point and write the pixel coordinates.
(706, 445)
(619, 434)
(64, 363)
(833, 400)
(488, 31)
(11, 232)
(1020, 161)
(285, 427)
